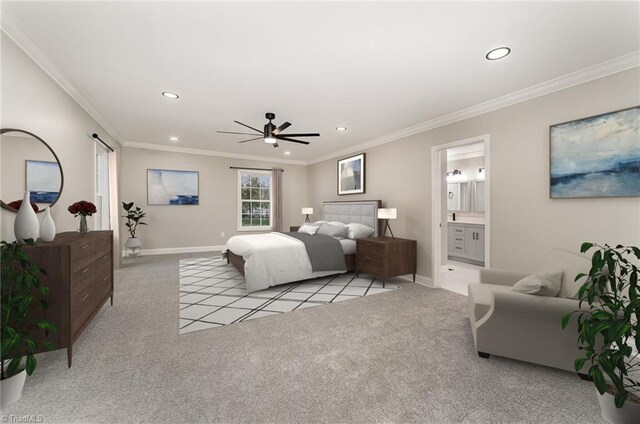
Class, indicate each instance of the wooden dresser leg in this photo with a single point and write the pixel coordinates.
(112, 300)
(69, 355)
(414, 277)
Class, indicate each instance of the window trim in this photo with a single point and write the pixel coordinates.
(242, 228)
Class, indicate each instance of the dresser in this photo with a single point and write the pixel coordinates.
(466, 242)
(79, 274)
(386, 257)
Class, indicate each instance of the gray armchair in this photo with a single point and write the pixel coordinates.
(524, 326)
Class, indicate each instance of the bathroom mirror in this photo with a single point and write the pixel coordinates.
(458, 196)
(478, 198)
(27, 162)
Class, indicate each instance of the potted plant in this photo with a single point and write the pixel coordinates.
(134, 218)
(608, 331)
(19, 287)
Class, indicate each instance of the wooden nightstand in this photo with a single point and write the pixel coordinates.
(386, 257)
(294, 228)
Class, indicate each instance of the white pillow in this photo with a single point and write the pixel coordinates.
(338, 223)
(358, 231)
(540, 284)
(318, 223)
(308, 229)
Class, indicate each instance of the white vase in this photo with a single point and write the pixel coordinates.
(47, 226)
(628, 414)
(134, 244)
(12, 388)
(26, 225)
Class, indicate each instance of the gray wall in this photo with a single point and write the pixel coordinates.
(525, 222)
(200, 226)
(32, 101)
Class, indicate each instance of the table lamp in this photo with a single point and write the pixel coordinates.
(387, 214)
(307, 211)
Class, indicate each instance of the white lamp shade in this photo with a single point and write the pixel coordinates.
(387, 213)
(307, 211)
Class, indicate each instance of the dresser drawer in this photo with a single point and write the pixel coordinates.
(103, 278)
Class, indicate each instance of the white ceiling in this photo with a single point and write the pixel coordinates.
(376, 68)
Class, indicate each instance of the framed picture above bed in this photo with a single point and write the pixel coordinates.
(598, 156)
(351, 177)
(169, 187)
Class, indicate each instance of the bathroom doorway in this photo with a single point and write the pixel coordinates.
(461, 212)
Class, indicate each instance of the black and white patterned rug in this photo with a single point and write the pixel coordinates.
(213, 293)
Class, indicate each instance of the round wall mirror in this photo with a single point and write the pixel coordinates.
(28, 163)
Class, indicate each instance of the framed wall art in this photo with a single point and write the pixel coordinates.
(169, 187)
(598, 156)
(43, 180)
(351, 177)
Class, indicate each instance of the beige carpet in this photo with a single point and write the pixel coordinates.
(402, 356)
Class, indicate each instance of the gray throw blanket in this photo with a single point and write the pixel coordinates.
(325, 252)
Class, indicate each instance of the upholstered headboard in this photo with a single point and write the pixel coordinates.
(361, 212)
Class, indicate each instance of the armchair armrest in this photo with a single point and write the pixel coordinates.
(502, 277)
(541, 308)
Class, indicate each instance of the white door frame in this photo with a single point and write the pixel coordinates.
(436, 202)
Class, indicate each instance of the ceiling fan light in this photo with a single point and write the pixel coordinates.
(270, 140)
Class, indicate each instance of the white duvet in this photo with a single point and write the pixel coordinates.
(272, 259)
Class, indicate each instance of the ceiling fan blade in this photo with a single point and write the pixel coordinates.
(281, 128)
(231, 132)
(292, 140)
(275, 145)
(302, 135)
(251, 139)
(245, 125)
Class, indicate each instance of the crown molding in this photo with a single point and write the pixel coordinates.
(205, 152)
(25, 41)
(582, 76)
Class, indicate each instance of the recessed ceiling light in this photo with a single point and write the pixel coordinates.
(170, 95)
(287, 153)
(341, 128)
(173, 139)
(498, 53)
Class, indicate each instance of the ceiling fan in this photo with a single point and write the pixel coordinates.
(271, 134)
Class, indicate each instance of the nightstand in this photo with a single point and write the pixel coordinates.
(386, 257)
(294, 228)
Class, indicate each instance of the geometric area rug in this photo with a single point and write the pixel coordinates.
(213, 294)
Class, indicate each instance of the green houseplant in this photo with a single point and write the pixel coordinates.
(20, 287)
(134, 218)
(608, 331)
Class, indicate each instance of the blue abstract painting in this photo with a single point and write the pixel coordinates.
(597, 156)
(43, 181)
(166, 187)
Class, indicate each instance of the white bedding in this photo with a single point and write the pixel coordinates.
(348, 246)
(272, 259)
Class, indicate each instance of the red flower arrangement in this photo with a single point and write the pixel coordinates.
(17, 203)
(83, 208)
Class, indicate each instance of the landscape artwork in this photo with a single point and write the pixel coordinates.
(351, 175)
(43, 181)
(167, 187)
(597, 156)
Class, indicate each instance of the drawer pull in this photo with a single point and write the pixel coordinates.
(85, 271)
(84, 246)
(105, 256)
(459, 248)
(84, 298)
(105, 277)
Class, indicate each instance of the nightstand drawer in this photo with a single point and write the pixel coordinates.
(386, 257)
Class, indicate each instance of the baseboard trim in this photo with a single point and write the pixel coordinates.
(174, 250)
(420, 279)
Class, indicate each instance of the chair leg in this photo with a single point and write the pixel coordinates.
(483, 354)
(584, 377)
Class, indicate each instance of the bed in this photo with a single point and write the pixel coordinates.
(277, 258)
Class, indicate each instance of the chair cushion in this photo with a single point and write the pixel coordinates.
(572, 264)
(540, 284)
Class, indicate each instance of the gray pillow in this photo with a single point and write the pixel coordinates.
(336, 231)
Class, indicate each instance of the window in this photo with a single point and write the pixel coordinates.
(254, 200)
(102, 221)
